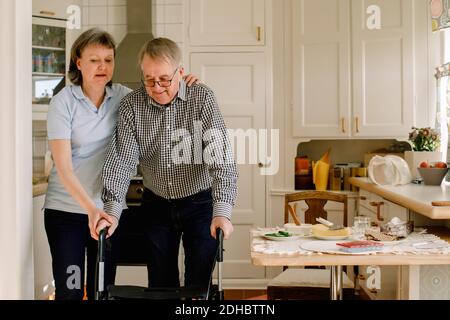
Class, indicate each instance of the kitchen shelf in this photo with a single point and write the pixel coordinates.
(48, 48)
(45, 74)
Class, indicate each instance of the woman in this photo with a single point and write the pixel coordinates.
(81, 119)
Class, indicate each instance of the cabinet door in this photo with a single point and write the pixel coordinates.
(43, 276)
(321, 68)
(383, 69)
(227, 22)
(238, 81)
(51, 9)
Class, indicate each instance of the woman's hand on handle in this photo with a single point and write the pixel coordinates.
(106, 221)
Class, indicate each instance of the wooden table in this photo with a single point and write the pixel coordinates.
(336, 261)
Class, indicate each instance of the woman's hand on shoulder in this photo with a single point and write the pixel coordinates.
(191, 79)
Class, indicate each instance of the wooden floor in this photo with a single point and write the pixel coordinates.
(230, 294)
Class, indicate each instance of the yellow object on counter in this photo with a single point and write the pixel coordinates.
(321, 170)
(320, 230)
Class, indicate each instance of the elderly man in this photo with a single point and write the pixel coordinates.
(178, 137)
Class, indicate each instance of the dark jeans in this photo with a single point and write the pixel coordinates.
(166, 222)
(70, 242)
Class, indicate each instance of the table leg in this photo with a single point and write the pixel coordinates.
(336, 283)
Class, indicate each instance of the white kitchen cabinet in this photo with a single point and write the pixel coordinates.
(383, 69)
(43, 276)
(227, 23)
(350, 81)
(51, 9)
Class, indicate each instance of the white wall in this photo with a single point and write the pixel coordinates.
(108, 15)
(16, 230)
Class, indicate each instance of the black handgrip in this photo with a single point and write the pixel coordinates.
(219, 237)
(99, 274)
(102, 244)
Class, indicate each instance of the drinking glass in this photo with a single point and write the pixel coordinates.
(360, 225)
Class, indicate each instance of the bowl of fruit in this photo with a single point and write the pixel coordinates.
(432, 173)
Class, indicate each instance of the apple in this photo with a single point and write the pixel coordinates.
(424, 164)
(440, 164)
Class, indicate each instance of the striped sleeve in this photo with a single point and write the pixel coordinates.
(121, 161)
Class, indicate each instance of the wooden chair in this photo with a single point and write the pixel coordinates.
(308, 284)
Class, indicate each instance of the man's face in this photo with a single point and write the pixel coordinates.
(162, 71)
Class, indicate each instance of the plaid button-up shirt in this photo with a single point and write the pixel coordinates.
(182, 148)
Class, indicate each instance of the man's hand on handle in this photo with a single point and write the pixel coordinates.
(222, 223)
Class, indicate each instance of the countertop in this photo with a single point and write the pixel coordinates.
(416, 197)
(39, 189)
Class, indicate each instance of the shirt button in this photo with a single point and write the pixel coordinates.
(170, 183)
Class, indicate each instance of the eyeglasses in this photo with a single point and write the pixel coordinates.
(161, 83)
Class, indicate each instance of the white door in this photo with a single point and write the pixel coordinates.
(321, 68)
(238, 81)
(383, 68)
(226, 22)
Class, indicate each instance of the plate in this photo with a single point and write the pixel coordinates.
(290, 238)
(331, 247)
(331, 237)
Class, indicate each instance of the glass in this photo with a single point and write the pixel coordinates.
(161, 83)
(48, 62)
(360, 225)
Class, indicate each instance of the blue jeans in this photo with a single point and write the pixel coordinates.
(70, 242)
(168, 221)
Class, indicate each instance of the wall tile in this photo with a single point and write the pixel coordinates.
(98, 15)
(159, 30)
(98, 3)
(173, 14)
(117, 2)
(158, 14)
(175, 32)
(85, 16)
(117, 15)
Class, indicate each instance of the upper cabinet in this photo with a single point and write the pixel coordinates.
(383, 68)
(51, 9)
(353, 67)
(321, 68)
(223, 23)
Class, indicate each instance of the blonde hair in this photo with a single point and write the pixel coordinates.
(91, 36)
(161, 49)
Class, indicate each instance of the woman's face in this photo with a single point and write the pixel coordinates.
(96, 65)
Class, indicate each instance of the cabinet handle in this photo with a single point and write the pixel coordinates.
(258, 33)
(357, 124)
(343, 125)
(363, 198)
(378, 205)
(48, 13)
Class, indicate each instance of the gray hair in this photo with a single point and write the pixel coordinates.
(91, 36)
(161, 49)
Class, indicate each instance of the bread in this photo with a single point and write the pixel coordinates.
(323, 231)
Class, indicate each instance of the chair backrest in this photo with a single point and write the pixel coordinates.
(316, 201)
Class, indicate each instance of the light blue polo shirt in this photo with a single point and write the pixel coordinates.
(72, 116)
